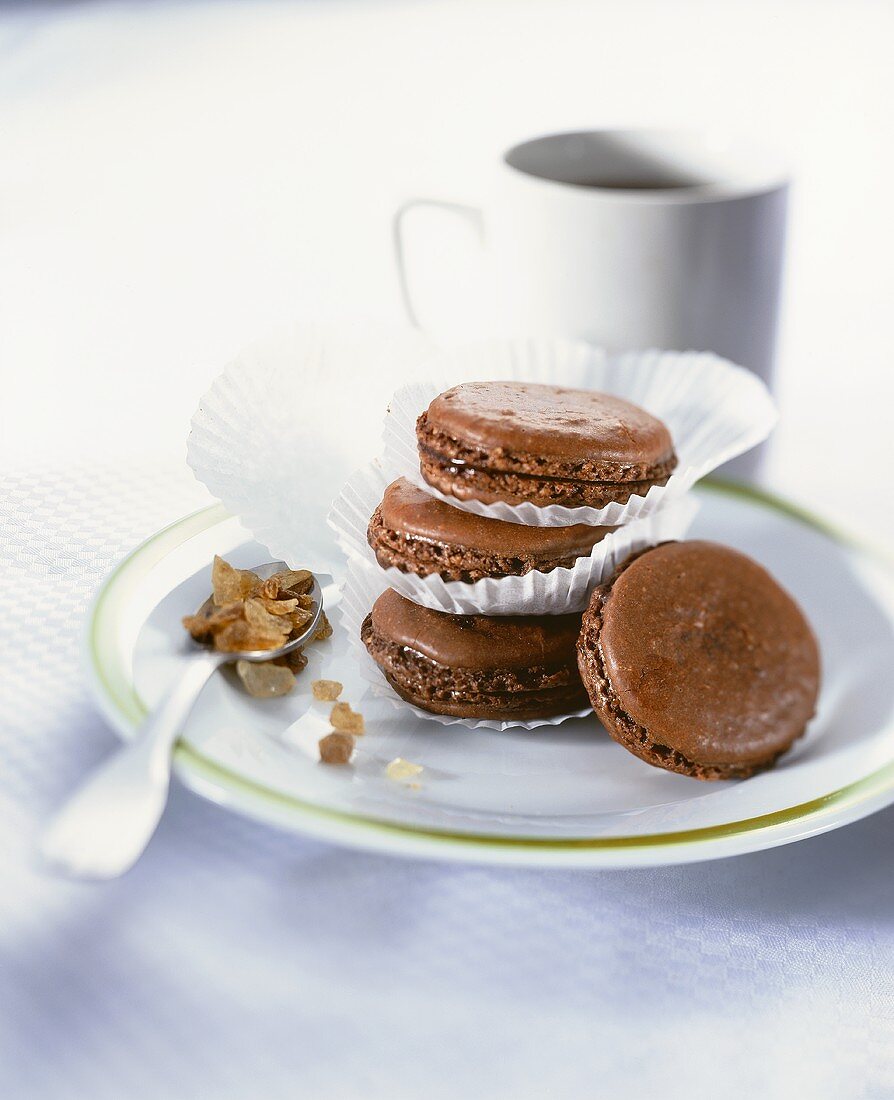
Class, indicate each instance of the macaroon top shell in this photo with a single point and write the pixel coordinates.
(705, 651)
(408, 510)
(477, 641)
(551, 421)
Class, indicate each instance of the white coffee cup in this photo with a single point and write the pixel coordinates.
(631, 239)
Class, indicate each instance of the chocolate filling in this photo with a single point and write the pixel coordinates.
(450, 451)
(460, 468)
(490, 486)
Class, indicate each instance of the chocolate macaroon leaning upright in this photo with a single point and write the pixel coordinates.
(522, 441)
(698, 662)
(476, 666)
(417, 533)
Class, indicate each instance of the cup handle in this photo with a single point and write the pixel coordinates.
(472, 214)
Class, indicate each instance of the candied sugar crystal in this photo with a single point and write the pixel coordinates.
(269, 589)
(294, 581)
(327, 690)
(298, 620)
(346, 720)
(278, 607)
(336, 748)
(210, 621)
(197, 626)
(229, 583)
(220, 617)
(243, 637)
(324, 630)
(294, 659)
(248, 614)
(265, 680)
(257, 616)
(402, 769)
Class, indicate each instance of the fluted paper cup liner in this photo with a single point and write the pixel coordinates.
(285, 423)
(363, 586)
(713, 409)
(553, 593)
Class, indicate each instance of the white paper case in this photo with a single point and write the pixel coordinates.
(713, 409)
(282, 427)
(363, 586)
(554, 593)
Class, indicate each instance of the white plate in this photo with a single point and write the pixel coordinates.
(561, 796)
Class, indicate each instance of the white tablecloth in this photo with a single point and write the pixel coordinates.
(235, 961)
(177, 180)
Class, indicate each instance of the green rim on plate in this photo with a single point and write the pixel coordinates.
(121, 695)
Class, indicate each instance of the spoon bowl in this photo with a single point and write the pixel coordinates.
(268, 569)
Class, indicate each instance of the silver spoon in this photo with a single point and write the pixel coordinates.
(104, 828)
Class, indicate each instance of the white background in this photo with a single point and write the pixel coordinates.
(179, 179)
(176, 180)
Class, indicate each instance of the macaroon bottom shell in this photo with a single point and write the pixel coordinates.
(522, 707)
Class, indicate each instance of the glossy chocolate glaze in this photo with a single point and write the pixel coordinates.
(550, 421)
(477, 641)
(409, 511)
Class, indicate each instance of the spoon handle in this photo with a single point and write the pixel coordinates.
(104, 828)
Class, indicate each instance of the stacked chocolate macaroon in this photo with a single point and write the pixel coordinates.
(694, 658)
(509, 442)
(517, 442)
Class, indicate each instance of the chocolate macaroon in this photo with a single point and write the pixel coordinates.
(697, 661)
(418, 533)
(521, 441)
(476, 666)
